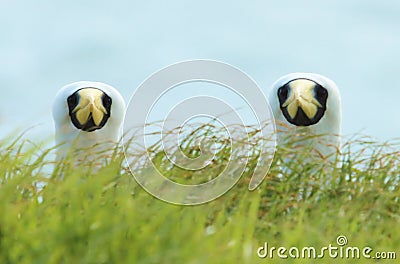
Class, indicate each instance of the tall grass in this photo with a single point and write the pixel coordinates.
(77, 214)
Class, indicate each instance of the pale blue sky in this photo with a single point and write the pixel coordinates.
(47, 44)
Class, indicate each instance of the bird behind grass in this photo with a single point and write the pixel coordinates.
(88, 118)
(307, 110)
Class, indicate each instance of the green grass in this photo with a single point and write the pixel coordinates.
(86, 215)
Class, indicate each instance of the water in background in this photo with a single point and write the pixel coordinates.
(46, 44)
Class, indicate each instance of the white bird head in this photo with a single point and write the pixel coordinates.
(87, 113)
(308, 103)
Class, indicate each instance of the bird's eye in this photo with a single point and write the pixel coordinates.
(320, 92)
(283, 93)
(106, 101)
(72, 100)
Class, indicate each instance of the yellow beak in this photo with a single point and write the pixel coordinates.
(301, 96)
(90, 104)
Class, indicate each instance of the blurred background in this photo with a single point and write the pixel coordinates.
(47, 44)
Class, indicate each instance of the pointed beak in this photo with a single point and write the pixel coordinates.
(90, 106)
(301, 96)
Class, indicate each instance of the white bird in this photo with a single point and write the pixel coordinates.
(308, 105)
(87, 114)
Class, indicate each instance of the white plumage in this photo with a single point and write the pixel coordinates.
(306, 105)
(87, 114)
